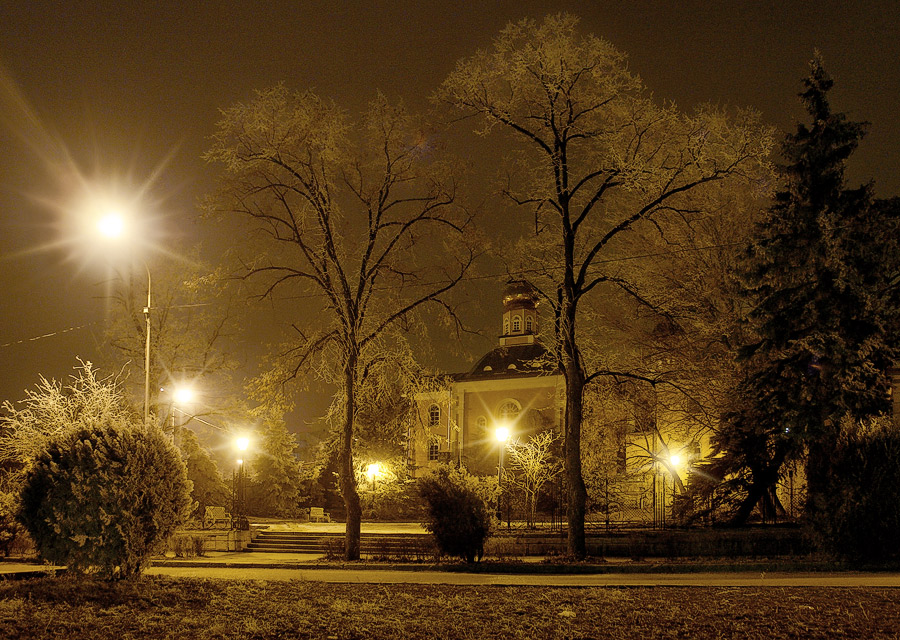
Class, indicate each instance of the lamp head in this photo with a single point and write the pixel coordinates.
(183, 395)
(111, 225)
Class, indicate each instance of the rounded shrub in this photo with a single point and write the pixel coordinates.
(457, 512)
(104, 498)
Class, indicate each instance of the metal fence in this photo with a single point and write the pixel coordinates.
(643, 502)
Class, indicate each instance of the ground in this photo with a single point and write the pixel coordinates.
(165, 607)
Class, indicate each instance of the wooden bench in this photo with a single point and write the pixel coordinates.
(317, 514)
(215, 517)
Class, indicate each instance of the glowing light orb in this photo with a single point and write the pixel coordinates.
(111, 225)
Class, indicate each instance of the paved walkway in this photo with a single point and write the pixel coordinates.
(309, 567)
(387, 576)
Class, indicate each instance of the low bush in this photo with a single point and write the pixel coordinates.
(457, 510)
(104, 498)
(188, 546)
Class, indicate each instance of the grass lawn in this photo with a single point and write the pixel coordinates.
(72, 608)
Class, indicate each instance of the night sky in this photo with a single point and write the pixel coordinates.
(127, 94)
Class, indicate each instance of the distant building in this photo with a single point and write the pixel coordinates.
(647, 447)
(514, 386)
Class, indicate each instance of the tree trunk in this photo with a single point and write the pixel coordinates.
(764, 478)
(347, 476)
(577, 493)
(818, 474)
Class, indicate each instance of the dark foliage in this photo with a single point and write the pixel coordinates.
(457, 514)
(104, 498)
(208, 486)
(862, 503)
(819, 281)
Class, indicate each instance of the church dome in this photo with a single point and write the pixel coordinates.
(519, 291)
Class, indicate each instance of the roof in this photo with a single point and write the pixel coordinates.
(510, 362)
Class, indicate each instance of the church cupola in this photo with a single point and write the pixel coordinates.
(519, 314)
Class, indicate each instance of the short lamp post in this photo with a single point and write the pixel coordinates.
(502, 436)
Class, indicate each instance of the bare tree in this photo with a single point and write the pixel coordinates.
(599, 159)
(53, 408)
(358, 221)
(194, 321)
(533, 464)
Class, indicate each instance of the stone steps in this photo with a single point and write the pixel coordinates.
(310, 542)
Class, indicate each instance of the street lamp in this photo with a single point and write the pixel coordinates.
(502, 436)
(373, 471)
(180, 396)
(241, 444)
(112, 226)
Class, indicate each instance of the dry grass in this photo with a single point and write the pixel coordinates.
(160, 607)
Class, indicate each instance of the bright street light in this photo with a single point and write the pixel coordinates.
(183, 395)
(373, 471)
(112, 226)
(242, 443)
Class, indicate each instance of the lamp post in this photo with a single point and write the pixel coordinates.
(113, 226)
(502, 436)
(180, 396)
(240, 444)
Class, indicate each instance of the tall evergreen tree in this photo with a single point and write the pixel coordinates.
(821, 303)
(276, 469)
(208, 486)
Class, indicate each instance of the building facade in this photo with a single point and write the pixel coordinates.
(514, 387)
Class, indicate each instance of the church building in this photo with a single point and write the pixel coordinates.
(511, 393)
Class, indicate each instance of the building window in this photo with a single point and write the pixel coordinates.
(508, 412)
(506, 326)
(433, 450)
(529, 324)
(434, 416)
(481, 423)
(517, 324)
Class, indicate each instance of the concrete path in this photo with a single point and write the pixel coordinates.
(252, 566)
(387, 576)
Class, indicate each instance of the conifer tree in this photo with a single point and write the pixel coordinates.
(818, 282)
(208, 486)
(276, 469)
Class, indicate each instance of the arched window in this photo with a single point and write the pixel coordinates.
(481, 423)
(506, 326)
(434, 416)
(529, 324)
(508, 412)
(517, 324)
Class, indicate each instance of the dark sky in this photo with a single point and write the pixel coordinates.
(130, 90)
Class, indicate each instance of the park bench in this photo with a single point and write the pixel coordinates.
(215, 517)
(317, 514)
